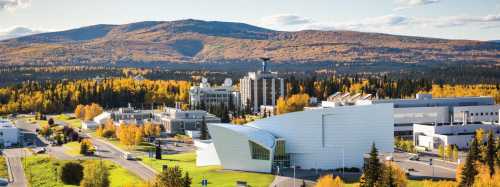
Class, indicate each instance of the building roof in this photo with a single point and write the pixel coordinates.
(259, 136)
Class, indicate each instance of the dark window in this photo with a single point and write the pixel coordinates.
(258, 152)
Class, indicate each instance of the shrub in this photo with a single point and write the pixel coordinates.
(71, 173)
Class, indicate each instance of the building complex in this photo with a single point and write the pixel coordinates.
(204, 96)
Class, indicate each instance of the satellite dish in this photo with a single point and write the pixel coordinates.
(228, 82)
(204, 80)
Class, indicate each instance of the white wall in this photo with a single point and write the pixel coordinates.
(490, 113)
(9, 136)
(349, 130)
(421, 115)
(233, 150)
(206, 155)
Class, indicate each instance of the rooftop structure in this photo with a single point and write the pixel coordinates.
(425, 109)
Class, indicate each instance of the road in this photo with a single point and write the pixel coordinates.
(16, 166)
(104, 150)
(422, 168)
(107, 151)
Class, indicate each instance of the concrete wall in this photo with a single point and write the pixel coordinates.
(347, 134)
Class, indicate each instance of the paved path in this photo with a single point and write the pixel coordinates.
(15, 167)
(108, 151)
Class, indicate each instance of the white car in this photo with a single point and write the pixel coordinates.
(128, 156)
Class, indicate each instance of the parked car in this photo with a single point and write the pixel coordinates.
(414, 157)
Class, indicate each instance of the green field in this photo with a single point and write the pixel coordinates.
(72, 148)
(72, 122)
(41, 172)
(215, 175)
(4, 173)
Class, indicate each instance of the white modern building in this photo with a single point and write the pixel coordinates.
(205, 96)
(426, 109)
(9, 135)
(177, 121)
(432, 135)
(261, 88)
(89, 125)
(324, 138)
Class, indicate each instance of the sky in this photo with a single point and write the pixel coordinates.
(451, 19)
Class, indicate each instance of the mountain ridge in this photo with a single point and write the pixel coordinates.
(197, 41)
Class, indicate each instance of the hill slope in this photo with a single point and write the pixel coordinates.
(196, 41)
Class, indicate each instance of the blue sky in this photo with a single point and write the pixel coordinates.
(454, 19)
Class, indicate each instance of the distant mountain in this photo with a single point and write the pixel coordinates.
(17, 32)
(202, 42)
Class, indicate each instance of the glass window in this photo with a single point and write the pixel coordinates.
(258, 152)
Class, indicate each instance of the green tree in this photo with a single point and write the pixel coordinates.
(204, 130)
(187, 180)
(71, 173)
(469, 171)
(95, 174)
(490, 153)
(172, 177)
(372, 169)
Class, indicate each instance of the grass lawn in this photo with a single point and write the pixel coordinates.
(215, 175)
(72, 122)
(4, 172)
(41, 172)
(72, 148)
(411, 183)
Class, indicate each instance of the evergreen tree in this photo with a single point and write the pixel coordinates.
(204, 130)
(469, 171)
(491, 153)
(372, 169)
(186, 180)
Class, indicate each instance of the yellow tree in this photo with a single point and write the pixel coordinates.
(448, 152)
(484, 179)
(329, 181)
(138, 136)
(79, 111)
(281, 106)
(441, 151)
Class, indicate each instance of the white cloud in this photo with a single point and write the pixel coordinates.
(396, 22)
(13, 4)
(285, 20)
(404, 4)
(18, 31)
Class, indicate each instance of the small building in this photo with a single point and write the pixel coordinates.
(177, 121)
(89, 125)
(102, 118)
(9, 134)
(431, 135)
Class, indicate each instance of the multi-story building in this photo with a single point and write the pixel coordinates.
(177, 121)
(9, 135)
(127, 115)
(205, 96)
(261, 88)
